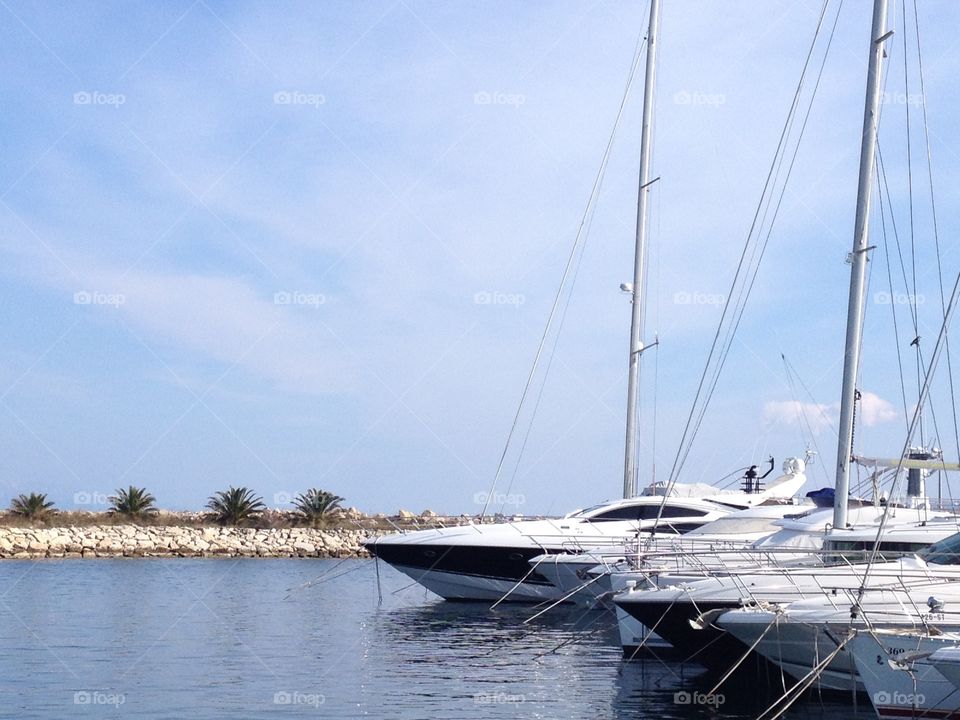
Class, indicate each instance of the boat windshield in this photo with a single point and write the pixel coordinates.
(945, 552)
(588, 511)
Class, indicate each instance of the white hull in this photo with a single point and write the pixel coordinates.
(795, 647)
(573, 578)
(919, 689)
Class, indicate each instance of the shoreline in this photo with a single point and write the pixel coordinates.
(190, 534)
(129, 540)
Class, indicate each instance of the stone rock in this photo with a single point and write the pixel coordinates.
(58, 542)
(185, 541)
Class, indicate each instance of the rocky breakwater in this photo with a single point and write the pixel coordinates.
(178, 541)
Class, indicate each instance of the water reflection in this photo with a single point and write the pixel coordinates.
(224, 638)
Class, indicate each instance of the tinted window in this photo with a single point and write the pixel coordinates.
(861, 550)
(945, 552)
(672, 512)
(646, 512)
(894, 547)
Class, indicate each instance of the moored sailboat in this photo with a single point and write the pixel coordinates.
(491, 561)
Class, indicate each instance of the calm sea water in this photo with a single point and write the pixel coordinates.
(152, 638)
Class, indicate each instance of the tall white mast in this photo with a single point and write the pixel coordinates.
(858, 263)
(638, 290)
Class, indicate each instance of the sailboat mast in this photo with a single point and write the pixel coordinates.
(638, 290)
(858, 263)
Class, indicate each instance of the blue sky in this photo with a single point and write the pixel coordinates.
(242, 243)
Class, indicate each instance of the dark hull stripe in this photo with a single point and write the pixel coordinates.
(671, 621)
(509, 564)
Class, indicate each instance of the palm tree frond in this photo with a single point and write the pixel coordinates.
(133, 502)
(33, 506)
(236, 505)
(315, 505)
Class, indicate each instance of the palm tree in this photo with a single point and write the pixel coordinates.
(133, 502)
(34, 506)
(236, 505)
(315, 505)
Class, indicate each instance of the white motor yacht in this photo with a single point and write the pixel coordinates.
(487, 562)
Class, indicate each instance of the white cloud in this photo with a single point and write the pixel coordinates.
(194, 318)
(874, 410)
(819, 416)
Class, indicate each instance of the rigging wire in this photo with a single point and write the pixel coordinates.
(893, 305)
(801, 410)
(742, 303)
(739, 306)
(569, 268)
(936, 233)
(592, 206)
(746, 270)
(732, 331)
(924, 393)
(546, 373)
(913, 242)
